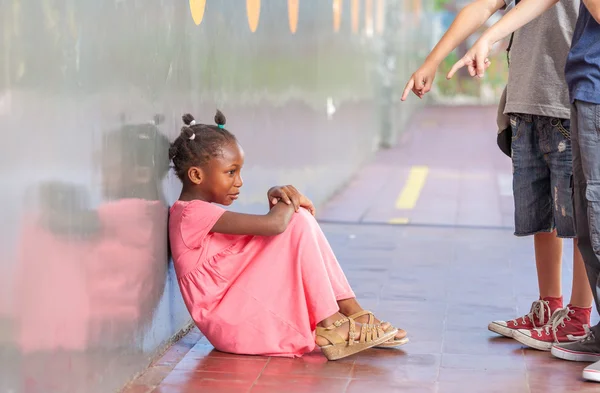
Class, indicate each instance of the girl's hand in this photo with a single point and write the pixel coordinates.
(420, 82)
(476, 59)
(308, 205)
(290, 196)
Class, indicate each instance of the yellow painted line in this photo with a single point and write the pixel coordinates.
(399, 221)
(412, 189)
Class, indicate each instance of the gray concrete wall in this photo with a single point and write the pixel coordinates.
(87, 294)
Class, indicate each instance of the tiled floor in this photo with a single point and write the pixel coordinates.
(443, 285)
(443, 282)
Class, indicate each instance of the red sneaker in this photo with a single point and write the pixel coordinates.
(538, 316)
(567, 325)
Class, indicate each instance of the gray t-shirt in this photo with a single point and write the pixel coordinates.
(536, 78)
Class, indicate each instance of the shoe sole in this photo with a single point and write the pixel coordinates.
(336, 352)
(591, 375)
(574, 356)
(532, 342)
(501, 330)
(393, 344)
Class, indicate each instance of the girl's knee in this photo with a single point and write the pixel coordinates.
(301, 223)
(303, 217)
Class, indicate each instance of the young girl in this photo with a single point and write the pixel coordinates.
(259, 284)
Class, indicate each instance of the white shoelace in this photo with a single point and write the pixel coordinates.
(539, 309)
(557, 319)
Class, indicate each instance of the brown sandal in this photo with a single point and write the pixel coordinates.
(394, 342)
(338, 347)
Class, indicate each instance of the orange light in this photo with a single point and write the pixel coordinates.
(380, 21)
(337, 15)
(293, 7)
(355, 13)
(197, 8)
(253, 12)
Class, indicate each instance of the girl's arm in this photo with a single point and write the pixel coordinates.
(270, 224)
(468, 20)
(520, 15)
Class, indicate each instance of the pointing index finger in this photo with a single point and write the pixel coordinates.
(458, 65)
(408, 88)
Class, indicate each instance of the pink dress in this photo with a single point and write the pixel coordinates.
(255, 295)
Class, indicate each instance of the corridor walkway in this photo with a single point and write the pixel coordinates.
(424, 236)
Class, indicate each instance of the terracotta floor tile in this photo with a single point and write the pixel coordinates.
(478, 343)
(484, 362)
(213, 388)
(315, 365)
(487, 380)
(203, 349)
(225, 365)
(566, 386)
(405, 367)
(206, 381)
(299, 384)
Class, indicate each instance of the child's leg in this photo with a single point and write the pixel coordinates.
(339, 282)
(344, 294)
(571, 322)
(541, 181)
(532, 193)
(586, 184)
(581, 293)
(323, 282)
(586, 203)
(585, 122)
(548, 262)
(560, 160)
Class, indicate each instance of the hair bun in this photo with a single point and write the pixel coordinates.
(187, 119)
(220, 118)
(187, 133)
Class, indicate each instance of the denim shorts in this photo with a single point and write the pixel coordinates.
(542, 168)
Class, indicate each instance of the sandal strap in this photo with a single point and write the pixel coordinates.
(362, 313)
(371, 320)
(370, 333)
(338, 323)
(330, 336)
(336, 338)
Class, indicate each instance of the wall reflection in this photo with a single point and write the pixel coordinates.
(91, 92)
(89, 279)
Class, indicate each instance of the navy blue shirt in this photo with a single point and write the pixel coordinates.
(582, 70)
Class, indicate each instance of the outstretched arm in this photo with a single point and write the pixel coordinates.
(520, 15)
(468, 20)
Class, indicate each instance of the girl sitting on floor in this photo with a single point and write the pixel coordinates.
(259, 284)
